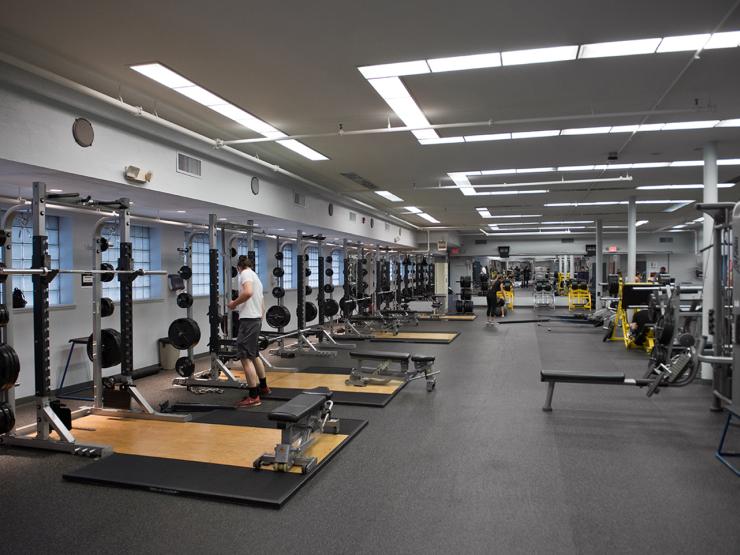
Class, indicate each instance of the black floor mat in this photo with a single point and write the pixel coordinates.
(215, 481)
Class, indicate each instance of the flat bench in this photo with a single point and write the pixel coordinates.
(301, 420)
(301, 406)
(551, 377)
(381, 355)
(382, 374)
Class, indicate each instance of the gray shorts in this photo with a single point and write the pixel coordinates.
(248, 338)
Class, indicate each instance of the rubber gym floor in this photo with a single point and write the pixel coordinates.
(474, 467)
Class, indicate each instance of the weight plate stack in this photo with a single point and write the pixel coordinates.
(7, 418)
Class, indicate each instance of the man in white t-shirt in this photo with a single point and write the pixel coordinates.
(250, 304)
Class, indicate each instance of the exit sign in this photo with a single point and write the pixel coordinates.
(613, 248)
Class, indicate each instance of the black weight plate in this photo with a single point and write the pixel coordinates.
(329, 272)
(328, 288)
(232, 252)
(278, 272)
(458, 305)
(184, 300)
(10, 367)
(278, 292)
(7, 418)
(106, 307)
(311, 312)
(184, 367)
(234, 294)
(331, 307)
(263, 342)
(308, 272)
(185, 272)
(184, 333)
(106, 277)
(110, 350)
(104, 245)
(278, 256)
(309, 289)
(347, 305)
(277, 316)
(234, 272)
(328, 259)
(4, 315)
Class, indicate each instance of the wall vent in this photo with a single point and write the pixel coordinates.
(568, 240)
(666, 239)
(189, 165)
(299, 199)
(481, 241)
(353, 216)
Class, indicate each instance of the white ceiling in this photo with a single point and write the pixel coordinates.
(294, 65)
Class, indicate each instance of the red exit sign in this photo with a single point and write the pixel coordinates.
(454, 250)
(613, 248)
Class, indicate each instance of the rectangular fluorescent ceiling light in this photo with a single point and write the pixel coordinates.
(729, 39)
(644, 165)
(516, 216)
(442, 140)
(613, 203)
(683, 43)
(586, 130)
(484, 212)
(624, 128)
(173, 80)
(690, 186)
(651, 127)
(687, 163)
(539, 55)
(521, 192)
(569, 222)
(388, 195)
(707, 124)
(499, 172)
(535, 170)
(619, 48)
(412, 209)
(417, 67)
(428, 218)
(535, 134)
(457, 63)
(488, 137)
(640, 222)
(575, 168)
(729, 123)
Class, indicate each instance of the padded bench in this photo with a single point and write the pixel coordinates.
(381, 355)
(301, 406)
(381, 375)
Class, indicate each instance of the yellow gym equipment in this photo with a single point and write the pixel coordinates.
(636, 297)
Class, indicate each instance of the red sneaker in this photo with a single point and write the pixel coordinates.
(265, 390)
(249, 402)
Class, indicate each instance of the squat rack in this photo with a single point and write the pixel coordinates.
(46, 417)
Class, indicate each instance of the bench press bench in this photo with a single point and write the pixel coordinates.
(551, 377)
(382, 373)
(300, 420)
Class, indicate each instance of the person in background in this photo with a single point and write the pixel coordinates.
(492, 300)
(526, 274)
(251, 307)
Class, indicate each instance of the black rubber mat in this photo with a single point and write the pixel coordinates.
(360, 398)
(222, 482)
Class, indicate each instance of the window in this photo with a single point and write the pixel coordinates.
(313, 265)
(337, 266)
(23, 252)
(141, 254)
(259, 255)
(199, 261)
(288, 267)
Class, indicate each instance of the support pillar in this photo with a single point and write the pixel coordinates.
(710, 195)
(631, 239)
(599, 261)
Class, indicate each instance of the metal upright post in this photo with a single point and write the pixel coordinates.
(125, 262)
(708, 236)
(97, 326)
(320, 296)
(214, 318)
(631, 239)
(599, 277)
(300, 309)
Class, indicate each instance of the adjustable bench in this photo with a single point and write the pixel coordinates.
(382, 373)
(300, 420)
